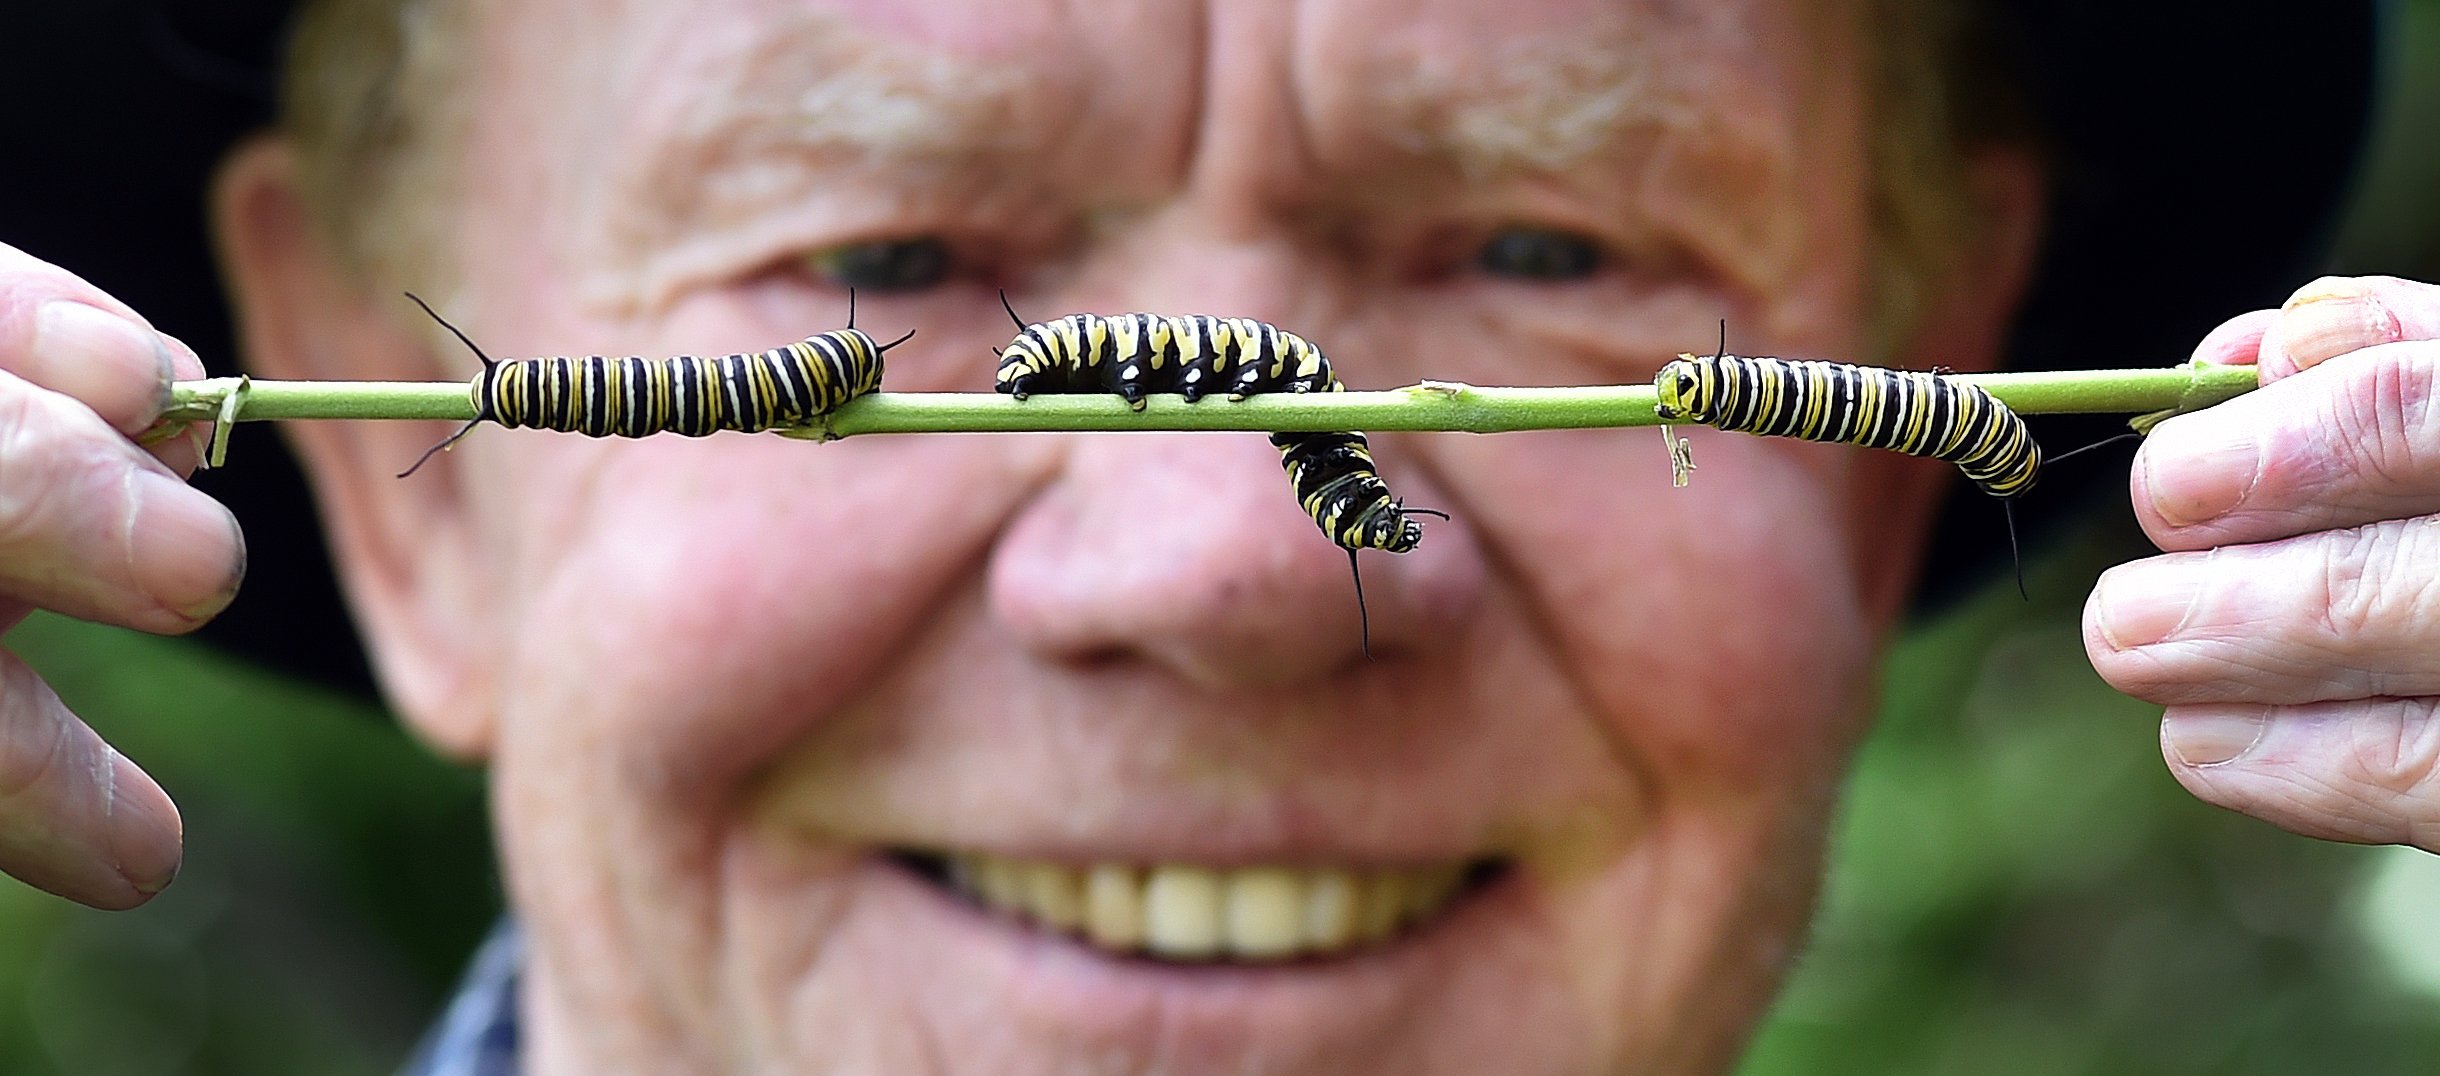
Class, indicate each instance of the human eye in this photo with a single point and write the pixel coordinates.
(901, 264)
(1539, 255)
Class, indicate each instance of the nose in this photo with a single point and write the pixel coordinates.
(1189, 552)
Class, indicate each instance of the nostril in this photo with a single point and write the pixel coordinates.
(1191, 553)
(1098, 658)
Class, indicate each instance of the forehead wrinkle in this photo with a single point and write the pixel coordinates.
(760, 119)
(1685, 118)
(1539, 103)
(1546, 111)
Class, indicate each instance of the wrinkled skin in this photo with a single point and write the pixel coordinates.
(2289, 628)
(713, 678)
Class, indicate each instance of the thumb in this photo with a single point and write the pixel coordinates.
(2336, 315)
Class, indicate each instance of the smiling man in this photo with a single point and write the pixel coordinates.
(1059, 754)
(909, 752)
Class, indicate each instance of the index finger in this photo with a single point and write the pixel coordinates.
(2352, 441)
(61, 333)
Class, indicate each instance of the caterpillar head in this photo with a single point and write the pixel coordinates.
(1021, 369)
(868, 375)
(1398, 530)
(1680, 384)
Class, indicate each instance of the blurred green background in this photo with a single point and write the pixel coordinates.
(2016, 884)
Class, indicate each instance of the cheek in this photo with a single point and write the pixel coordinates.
(696, 604)
(1722, 619)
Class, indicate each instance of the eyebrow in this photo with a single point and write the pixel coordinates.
(752, 127)
(1552, 107)
(1549, 103)
(814, 102)
(1543, 113)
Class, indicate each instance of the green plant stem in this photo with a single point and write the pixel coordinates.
(1428, 406)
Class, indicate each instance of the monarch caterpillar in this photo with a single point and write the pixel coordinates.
(1135, 355)
(690, 395)
(1918, 413)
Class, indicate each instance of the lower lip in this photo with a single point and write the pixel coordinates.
(1066, 983)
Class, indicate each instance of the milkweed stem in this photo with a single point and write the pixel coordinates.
(1430, 406)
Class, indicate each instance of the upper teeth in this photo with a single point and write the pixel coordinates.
(1186, 912)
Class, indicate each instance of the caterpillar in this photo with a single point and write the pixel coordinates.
(1918, 413)
(1136, 355)
(690, 395)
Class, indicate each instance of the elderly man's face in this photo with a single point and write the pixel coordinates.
(840, 757)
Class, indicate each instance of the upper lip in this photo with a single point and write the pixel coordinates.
(1157, 828)
(1297, 781)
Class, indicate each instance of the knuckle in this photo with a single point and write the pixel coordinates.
(2341, 602)
(48, 454)
(2376, 581)
(2359, 441)
(25, 284)
(2399, 757)
(2411, 303)
(33, 742)
(2383, 428)
(26, 447)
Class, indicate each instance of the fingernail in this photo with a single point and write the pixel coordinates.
(2327, 322)
(2142, 604)
(2213, 737)
(117, 367)
(189, 554)
(146, 835)
(2197, 471)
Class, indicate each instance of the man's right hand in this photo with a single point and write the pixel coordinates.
(94, 526)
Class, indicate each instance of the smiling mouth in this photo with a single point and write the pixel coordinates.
(1184, 913)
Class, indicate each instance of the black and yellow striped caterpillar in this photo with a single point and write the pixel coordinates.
(1135, 355)
(691, 395)
(1920, 414)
